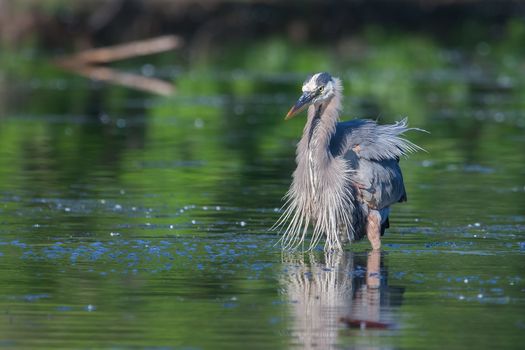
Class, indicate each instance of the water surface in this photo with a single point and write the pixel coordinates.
(132, 221)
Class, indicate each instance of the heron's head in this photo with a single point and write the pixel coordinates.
(317, 88)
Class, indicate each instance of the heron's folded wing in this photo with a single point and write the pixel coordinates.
(373, 151)
(381, 183)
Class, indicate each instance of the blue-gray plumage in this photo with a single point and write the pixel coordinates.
(347, 174)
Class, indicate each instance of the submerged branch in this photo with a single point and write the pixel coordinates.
(129, 50)
(84, 63)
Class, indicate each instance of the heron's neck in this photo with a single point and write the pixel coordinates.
(319, 129)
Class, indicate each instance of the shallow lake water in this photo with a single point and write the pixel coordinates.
(134, 221)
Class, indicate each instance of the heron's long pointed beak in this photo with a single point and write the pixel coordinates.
(301, 104)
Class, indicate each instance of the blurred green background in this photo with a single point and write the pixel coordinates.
(134, 220)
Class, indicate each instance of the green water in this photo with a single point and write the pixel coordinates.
(134, 221)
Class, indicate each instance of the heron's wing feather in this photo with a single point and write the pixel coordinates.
(372, 141)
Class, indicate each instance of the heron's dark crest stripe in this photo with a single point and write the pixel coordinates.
(323, 79)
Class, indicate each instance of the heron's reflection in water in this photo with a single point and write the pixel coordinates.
(329, 291)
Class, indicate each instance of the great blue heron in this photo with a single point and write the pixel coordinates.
(347, 174)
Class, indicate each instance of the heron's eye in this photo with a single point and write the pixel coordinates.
(321, 88)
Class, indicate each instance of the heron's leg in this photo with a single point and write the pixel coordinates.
(373, 229)
(373, 264)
